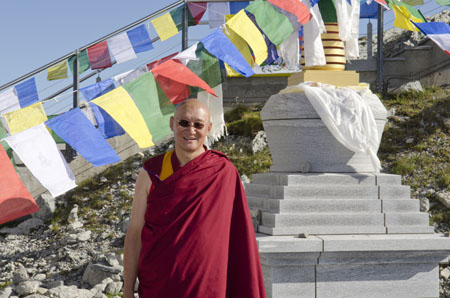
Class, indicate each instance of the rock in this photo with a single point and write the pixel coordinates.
(36, 296)
(84, 236)
(99, 295)
(95, 273)
(120, 259)
(42, 291)
(259, 142)
(444, 198)
(125, 224)
(54, 284)
(69, 292)
(424, 204)
(103, 179)
(76, 225)
(409, 140)
(24, 227)
(445, 273)
(112, 259)
(73, 215)
(408, 87)
(39, 277)
(446, 122)
(114, 287)
(20, 274)
(47, 207)
(5, 292)
(27, 287)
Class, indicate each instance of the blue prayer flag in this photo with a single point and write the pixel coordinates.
(218, 44)
(140, 40)
(77, 131)
(27, 93)
(106, 124)
(368, 11)
(314, 2)
(236, 6)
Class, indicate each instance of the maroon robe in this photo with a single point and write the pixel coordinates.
(198, 239)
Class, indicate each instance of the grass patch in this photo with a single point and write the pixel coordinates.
(5, 284)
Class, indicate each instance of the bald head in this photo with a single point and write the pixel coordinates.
(192, 104)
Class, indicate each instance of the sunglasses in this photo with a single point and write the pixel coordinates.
(185, 123)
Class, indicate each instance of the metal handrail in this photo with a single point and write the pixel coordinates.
(54, 62)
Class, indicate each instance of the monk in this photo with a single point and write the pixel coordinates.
(191, 234)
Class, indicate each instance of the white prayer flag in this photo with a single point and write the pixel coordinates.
(313, 47)
(290, 53)
(187, 55)
(121, 48)
(8, 102)
(215, 106)
(37, 149)
(130, 75)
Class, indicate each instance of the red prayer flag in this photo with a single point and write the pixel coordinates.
(175, 91)
(15, 200)
(197, 10)
(383, 3)
(99, 55)
(295, 7)
(179, 73)
(151, 65)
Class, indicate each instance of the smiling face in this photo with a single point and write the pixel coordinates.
(190, 139)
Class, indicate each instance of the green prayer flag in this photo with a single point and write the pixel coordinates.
(443, 2)
(177, 16)
(273, 23)
(414, 2)
(83, 62)
(55, 137)
(5, 144)
(328, 11)
(414, 11)
(207, 67)
(153, 104)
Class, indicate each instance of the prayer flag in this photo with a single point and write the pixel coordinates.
(383, 3)
(57, 72)
(25, 118)
(368, 11)
(4, 144)
(293, 6)
(130, 75)
(27, 92)
(413, 2)
(37, 149)
(220, 46)
(274, 24)
(9, 101)
(187, 55)
(178, 72)
(122, 108)
(177, 17)
(236, 6)
(217, 12)
(99, 57)
(140, 39)
(438, 32)
(106, 124)
(215, 107)
(83, 62)
(197, 10)
(77, 131)
(165, 26)
(243, 48)
(151, 65)
(403, 17)
(15, 200)
(443, 2)
(290, 53)
(176, 92)
(243, 26)
(156, 110)
(272, 53)
(121, 48)
(328, 11)
(313, 48)
(207, 67)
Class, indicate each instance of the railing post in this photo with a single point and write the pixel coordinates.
(380, 57)
(184, 32)
(76, 79)
(369, 40)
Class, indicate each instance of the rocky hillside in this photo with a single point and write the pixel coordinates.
(74, 246)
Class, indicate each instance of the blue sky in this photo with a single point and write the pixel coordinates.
(33, 33)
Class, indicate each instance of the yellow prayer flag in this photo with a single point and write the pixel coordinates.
(165, 26)
(119, 104)
(242, 46)
(22, 119)
(242, 25)
(58, 71)
(403, 17)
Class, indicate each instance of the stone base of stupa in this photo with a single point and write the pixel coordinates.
(334, 77)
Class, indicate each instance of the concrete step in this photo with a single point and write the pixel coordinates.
(410, 230)
(400, 206)
(394, 192)
(407, 219)
(317, 206)
(314, 178)
(322, 230)
(321, 219)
